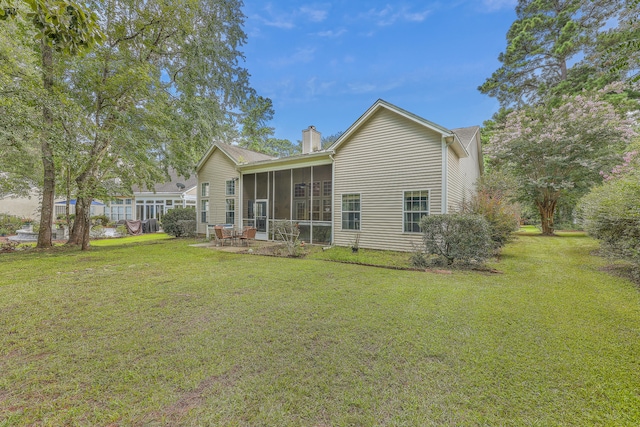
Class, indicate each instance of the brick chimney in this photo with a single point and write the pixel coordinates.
(311, 140)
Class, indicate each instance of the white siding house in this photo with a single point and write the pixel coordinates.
(373, 184)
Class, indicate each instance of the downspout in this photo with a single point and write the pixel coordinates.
(446, 143)
(333, 204)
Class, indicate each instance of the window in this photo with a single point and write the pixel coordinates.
(351, 212)
(204, 209)
(231, 211)
(316, 189)
(231, 188)
(301, 212)
(416, 205)
(204, 189)
(299, 190)
(315, 210)
(326, 188)
(326, 210)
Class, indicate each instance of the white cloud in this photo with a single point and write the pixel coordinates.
(289, 20)
(300, 56)
(493, 5)
(377, 87)
(331, 33)
(314, 14)
(389, 15)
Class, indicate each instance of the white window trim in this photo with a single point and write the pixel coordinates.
(202, 186)
(226, 187)
(200, 210)
(342, 211)
(414, 233)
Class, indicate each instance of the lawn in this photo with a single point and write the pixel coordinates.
(161, 333)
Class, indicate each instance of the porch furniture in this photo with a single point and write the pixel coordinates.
(223, 234)
(248, 233)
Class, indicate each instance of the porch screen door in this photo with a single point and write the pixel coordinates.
(262, 219)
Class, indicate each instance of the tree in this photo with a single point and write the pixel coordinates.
(257, 136)
(545, 37)
(20, 115)
(327, 141)
(64, 27)
(617, 51)
(163, 85)
(557, 151)
(611, 211)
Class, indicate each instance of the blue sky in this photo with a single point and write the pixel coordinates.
(326, 63)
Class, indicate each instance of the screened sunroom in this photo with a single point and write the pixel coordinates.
(302, 195)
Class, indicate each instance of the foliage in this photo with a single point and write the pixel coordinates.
(188, 227)
(171, 221)
(8, 246)
(611, 211)
(256, 135)
(460, 238)
(502, 215)
(553, 152)
(541, 43)
(121, 230)
(102, 220)
(11, 223)
(617, 52)
(288, 232)
(96, 232)
(327, 141)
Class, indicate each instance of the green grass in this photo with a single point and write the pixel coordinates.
(161, 333)
(363, 256)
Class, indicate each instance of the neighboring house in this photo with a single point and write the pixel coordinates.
(23, 207)
(155, 202)
(373, 184)
(97, 208)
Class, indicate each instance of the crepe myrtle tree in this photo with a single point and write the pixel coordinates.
(553, 152)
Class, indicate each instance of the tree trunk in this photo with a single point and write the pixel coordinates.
(49, 185)
(547, 207)
(82, 225)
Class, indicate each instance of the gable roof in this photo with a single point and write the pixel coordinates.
(170, 186)
(237, 155)
(380, 104)
(468, 136)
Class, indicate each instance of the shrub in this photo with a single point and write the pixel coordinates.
(171, 221)
(456, 238)
(187, 227)
(102, 220)
(288, 232)
(611, 214)
(96, 232)
(121, 230)
(10, 222)
(502, 216)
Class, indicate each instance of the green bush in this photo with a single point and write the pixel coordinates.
(611, 214)
(503, 217)
(456, 238)
(102, 220)
(171, 221)
(11, 223)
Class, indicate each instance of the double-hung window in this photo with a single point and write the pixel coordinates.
(351, 211)
(230, 188)
(231, 211)
(204, 210)
(204, 189)
(416, 205)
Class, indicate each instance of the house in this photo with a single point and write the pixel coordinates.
(154, 202)
(373, 184)
(21, 206)
(97, 208)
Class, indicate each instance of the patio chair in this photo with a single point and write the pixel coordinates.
(223, 234)
(248, 233)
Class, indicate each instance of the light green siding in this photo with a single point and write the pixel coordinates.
(387, 155)
(216, 171)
